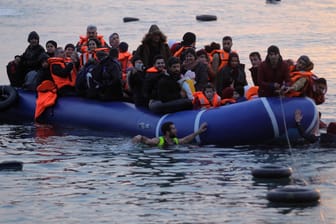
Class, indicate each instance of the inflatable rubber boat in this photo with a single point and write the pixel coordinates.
(258, 121)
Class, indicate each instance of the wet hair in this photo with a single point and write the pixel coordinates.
(166, 127)
(255, 53)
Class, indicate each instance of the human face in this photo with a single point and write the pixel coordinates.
(92, 45)
(189, 58)
(50, 48)
(91, 33)
(227, 44)
(114, 41)
(300, 65)
(34, 41)
(173, 131)
(60, 53)
(255, 61)
(234, 62)
(175, 69)
(321, 88)
(209, 93)
(274, 58)
(159, 64)
(202, 58)
(69, 51)
(156, 37)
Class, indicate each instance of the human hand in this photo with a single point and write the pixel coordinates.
(298, 116)
(137, 139)
(203, 127)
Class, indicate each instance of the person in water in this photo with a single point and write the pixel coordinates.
(169, 136)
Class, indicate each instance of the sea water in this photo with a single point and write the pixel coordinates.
(80, 178)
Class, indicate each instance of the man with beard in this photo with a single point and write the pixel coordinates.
(169, 137)
(273, 74)
(169, 98)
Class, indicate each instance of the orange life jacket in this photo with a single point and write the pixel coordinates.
(223, 56)
(125, 62)
(46, 97)
(252, 92)
(178, 53)
(83, 40)
(228, 101)
(200, 98)
(296, 76)
(60, 81)
(152, 70)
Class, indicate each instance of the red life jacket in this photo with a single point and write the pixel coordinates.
(60, 81)
(199, 98)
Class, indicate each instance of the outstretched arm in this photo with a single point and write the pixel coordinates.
(144, 140)
(190, 137)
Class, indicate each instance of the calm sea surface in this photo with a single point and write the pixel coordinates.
(80, 178)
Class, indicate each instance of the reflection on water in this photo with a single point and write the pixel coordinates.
(69, 177)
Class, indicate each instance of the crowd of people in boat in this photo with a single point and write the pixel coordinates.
(164, 78)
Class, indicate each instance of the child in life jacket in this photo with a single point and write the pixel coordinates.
(206, 99)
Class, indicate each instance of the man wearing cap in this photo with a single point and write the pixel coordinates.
(273, 73)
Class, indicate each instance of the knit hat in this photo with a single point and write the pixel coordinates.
(33, 35)
(188, 38)
(154, 29)
(273, 49)
(123, 47)
(52, 42)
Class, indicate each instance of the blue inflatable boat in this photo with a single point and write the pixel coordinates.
(258, 121)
